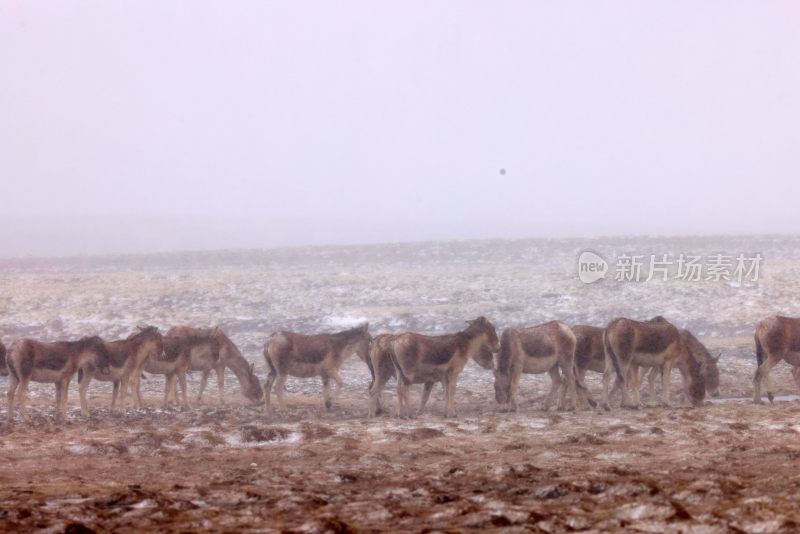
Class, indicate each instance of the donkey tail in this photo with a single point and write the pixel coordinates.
(759, 351)
(400, 374)
(272, 370)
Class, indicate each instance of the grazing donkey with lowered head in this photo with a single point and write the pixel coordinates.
(173, 362)
(429, 359)
(289, 354)
(590, 356)
(632, 344)
(50, 362)
(709, 367)
(127, 358)
(216, 354)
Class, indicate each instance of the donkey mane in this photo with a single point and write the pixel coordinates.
(142, 331)
(354, 332)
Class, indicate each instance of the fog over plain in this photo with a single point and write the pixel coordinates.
(152, 126)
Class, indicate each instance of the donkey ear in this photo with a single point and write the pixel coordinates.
(718, 357)
(252, 366)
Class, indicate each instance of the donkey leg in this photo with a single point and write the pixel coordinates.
(402, 398)
(666, 370)
(326, 391)
(124, 384)
(762, 376)
(568, 385)
(114, 394)
(64, 395)
(268, 388)
(651, 382)
(279, 384)
(22, 393)
(606, 380)
(450, 395)
(13, 382)
(59, 394)
(221, 383)
(636, 379)
(555, 387)
(375, 395)
(83, 385)
(583, 393)
(426, 394)
(203, 381)
(182, 382)
(170, 379)
(137, 379)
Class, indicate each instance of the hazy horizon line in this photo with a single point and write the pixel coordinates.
(211, 250)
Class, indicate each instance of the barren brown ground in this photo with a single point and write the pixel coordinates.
(726, 467)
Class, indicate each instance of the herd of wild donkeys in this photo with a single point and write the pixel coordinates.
(566, 353)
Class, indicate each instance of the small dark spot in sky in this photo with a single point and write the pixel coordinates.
(502, 172)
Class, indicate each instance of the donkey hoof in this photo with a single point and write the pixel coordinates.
(328, 404)
(770, 397)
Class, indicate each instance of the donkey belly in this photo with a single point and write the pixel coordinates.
(429, 373)
(159, 367)
(201, 363)
(305, 370)
(649, 360)
(47, 375)
(114, 374)
(539, 365)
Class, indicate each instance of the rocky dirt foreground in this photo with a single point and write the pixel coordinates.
(726, 467)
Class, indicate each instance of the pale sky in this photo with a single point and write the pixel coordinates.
(139, 126)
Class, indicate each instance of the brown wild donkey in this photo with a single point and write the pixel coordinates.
(590, 356)
(709, 367)
(216, 354)
(632, 344)
(544, 348)
(127, 359)
(289, 354)
(174, 362)
(50, 362)
(777, 338)
(429, 359)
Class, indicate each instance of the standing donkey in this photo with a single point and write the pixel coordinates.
(50, 362)
(777, 338)
(289, 354)
(540, 349)
(127, 358)
(429, 359)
